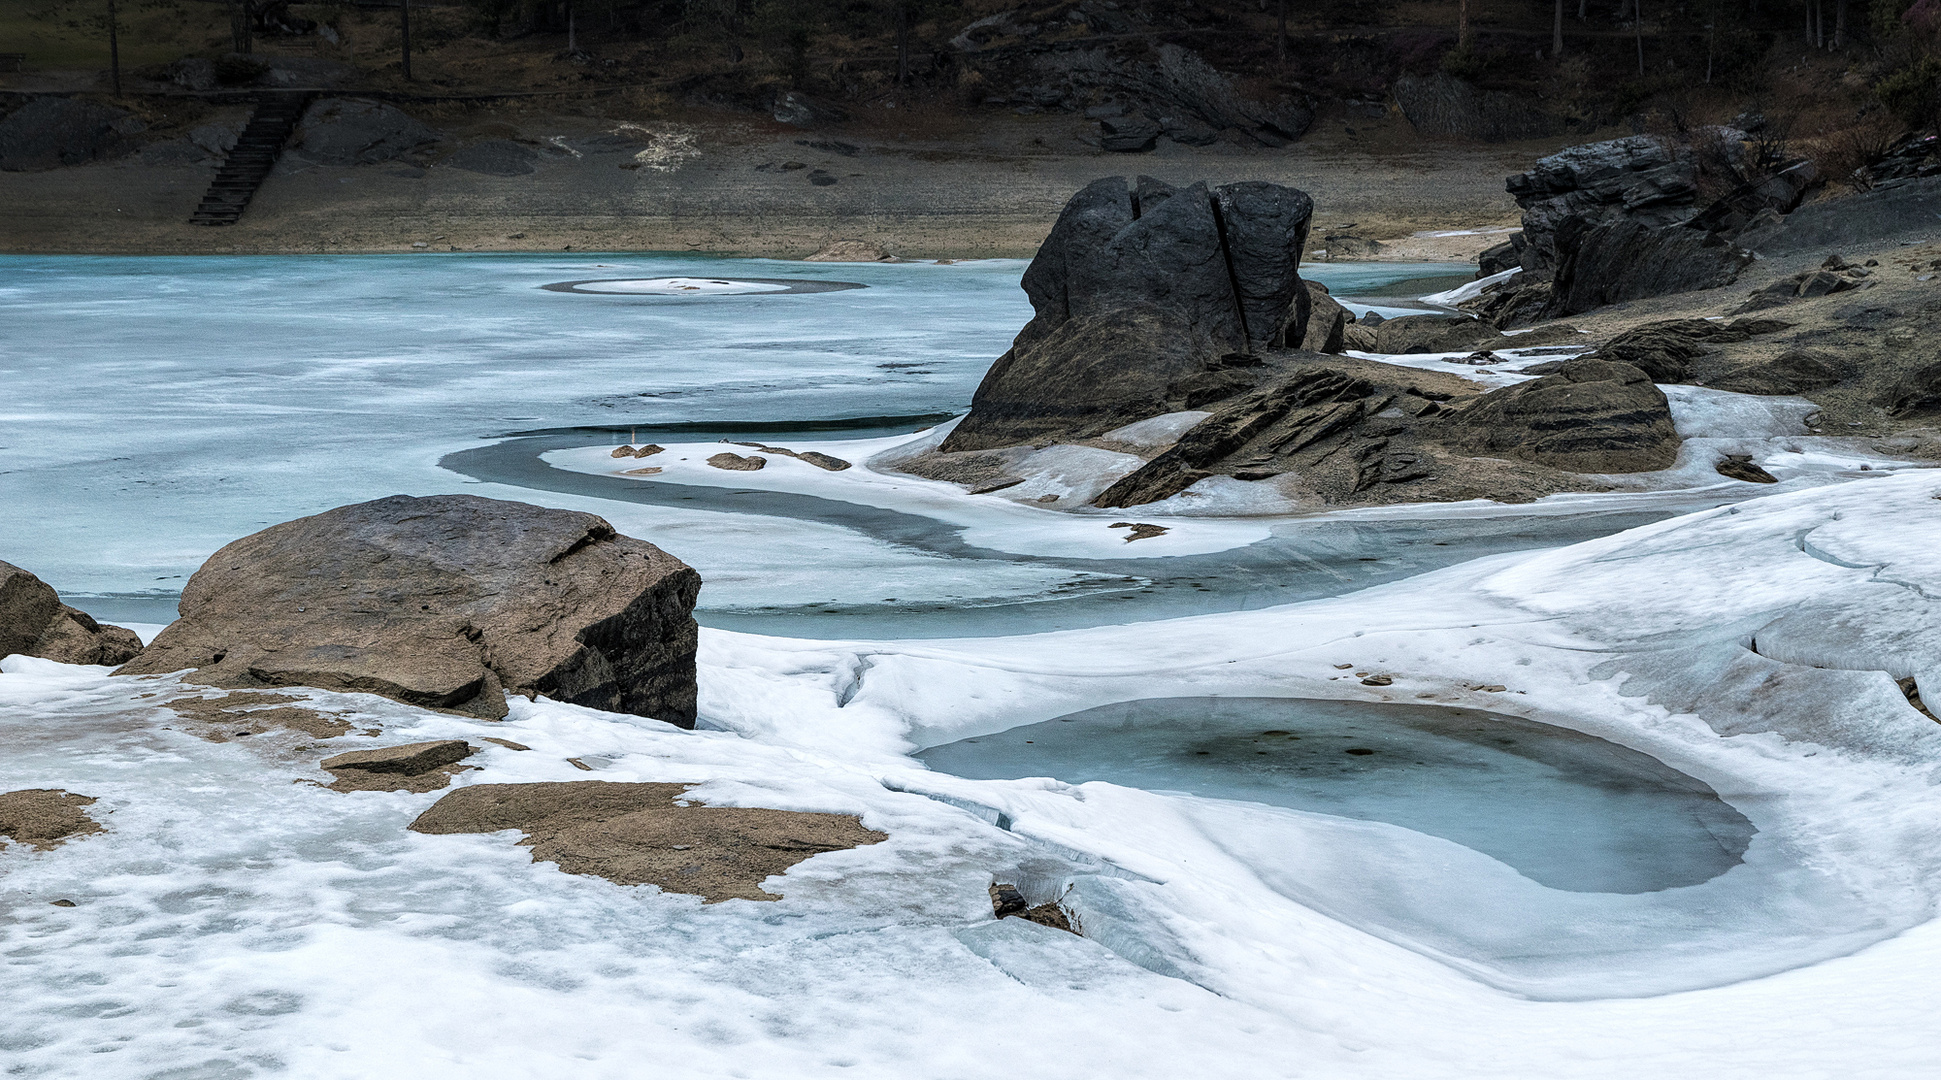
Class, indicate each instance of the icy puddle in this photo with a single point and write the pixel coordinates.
(1539, 860)
(1566, 810)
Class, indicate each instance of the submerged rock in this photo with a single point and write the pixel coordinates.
(34, 622)
(445, 602)
(1741, 467)
(637, 834)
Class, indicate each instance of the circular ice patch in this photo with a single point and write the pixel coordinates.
(699, 286)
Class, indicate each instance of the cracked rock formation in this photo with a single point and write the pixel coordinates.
(446, 602)
(1139, 285)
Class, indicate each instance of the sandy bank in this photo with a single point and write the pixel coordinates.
(992, 194)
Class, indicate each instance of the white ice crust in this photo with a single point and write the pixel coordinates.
(680, 286)
(232, 920)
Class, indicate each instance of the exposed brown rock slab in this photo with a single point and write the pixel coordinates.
(44, 818)
(416, 767)
(636, 834)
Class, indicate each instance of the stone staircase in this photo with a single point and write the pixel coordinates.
(249, 161)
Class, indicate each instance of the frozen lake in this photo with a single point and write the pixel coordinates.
(1571, 812)
(1583, 782)
(157, 408)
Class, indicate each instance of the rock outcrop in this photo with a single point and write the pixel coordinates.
(351, 131)
(1917, 393)
(416, 767)
(1139, 286)
(1641, 179)
(44, 818)
(1442, 104)
(1667, 350)
(49, 132)
(637, 834)
(445, 602)
(1895, 210)
(34, 622)
(1178, 92)
(1630, 260)
(1590, 416)
(1620, 220)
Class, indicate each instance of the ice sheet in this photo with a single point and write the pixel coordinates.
(234, 921)
(987, 521)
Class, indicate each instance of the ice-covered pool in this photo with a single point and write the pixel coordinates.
(1567, 810)
(1540, 860)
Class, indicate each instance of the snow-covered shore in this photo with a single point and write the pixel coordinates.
(233, 921)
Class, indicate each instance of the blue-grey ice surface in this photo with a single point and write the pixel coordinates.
(158, 408)
(1567, 810)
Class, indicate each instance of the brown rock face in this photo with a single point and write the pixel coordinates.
(635, 834)
(419, 767)
(445, 602)
(34, 622)
(43, 818)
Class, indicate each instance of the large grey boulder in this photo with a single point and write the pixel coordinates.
(34, 622)
(446, 602)
(350, 131)
(1138, 286)
(1092, 374)
(1591, 416)
(1631, 260)
(49, 132)
(1641, 178)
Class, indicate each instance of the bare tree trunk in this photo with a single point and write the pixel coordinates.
(902, 42)
(239, 25)
(1462, 25)
(1711, 42)
(1557, 31)
(114, 49)
(1839, 23)
(572, 40)
(1583, 10)
(404, 33)
(1280, 37)
(1637, 30)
